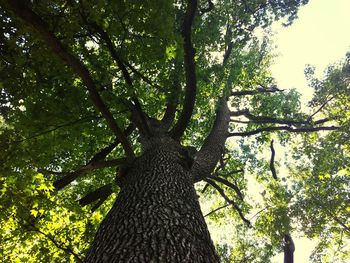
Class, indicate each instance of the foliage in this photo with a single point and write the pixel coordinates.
(50, 127)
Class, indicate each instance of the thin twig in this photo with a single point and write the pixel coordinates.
(217, 209)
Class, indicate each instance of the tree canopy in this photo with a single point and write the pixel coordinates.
(82, 80)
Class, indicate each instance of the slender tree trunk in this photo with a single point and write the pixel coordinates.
(289, 249)
(156, 217)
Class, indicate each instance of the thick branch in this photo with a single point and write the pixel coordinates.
(173, 98)
(227, 52)
(141, 116)
(229, 201)
(70, 177)
(190, 72)
(101, 193)
(101, 155)
(20, 9)
(272, 161)
(213, 146)
(281, 128)
(254, 92)
(96, 162)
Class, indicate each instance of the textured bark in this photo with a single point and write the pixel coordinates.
(213, 146)
(156, 217)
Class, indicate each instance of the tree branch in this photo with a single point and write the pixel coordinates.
(280, 128)
(266, 119)
(173, 98)
(229, 184)
(70, 177)
(71, 123)
(254, 92)
(101, 194)
(272, 161)
(217, 209)
(141, 75)
(229, 201)
(25, 13)
(321, 107)
(32, 227)
(96, 162)
(227, 52)
(110, 46)
(214, 144)
(190, 72)
(140, 116)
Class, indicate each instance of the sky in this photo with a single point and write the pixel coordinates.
(320, 36)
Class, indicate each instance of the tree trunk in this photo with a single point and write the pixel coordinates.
(289, 249)
(156, 217)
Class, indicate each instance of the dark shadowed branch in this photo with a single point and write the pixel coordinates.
(121, 63)
(70, 177)
(216, 209)
(272, 161)
(190, 72)
(36, 22)
(136, 106)
(173, 97)
(216, 174)
(283, 128)
(229, 201)
(266, 119)
(141, 75)
(100, 195)
(141, 115)
(228, 52)
(96, 162)
(229, 184)
(255, 91)
(113, 51)
(321, 107)
(71, 123)
(288, 246)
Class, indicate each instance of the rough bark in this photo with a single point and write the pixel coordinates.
(213, 146)
(156, 217)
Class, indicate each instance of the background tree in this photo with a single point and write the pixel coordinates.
(90, 86)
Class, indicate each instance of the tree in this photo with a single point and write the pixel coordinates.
(144, 87)
(322, 187)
